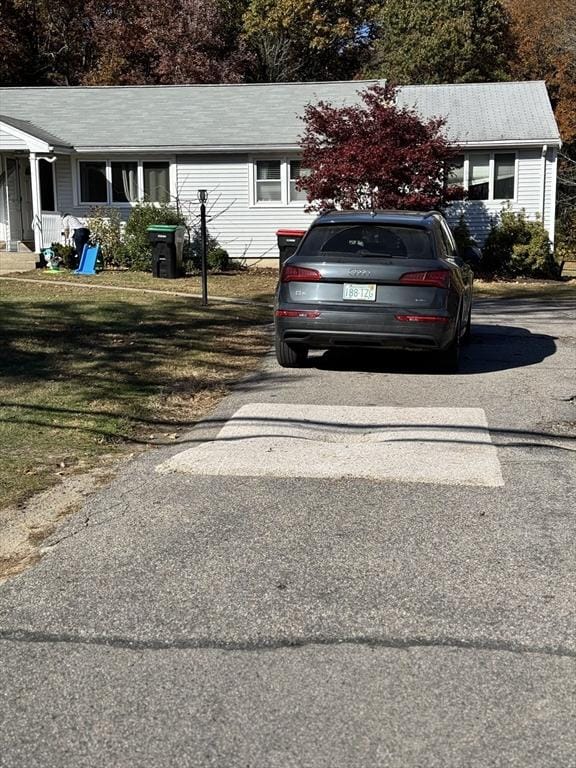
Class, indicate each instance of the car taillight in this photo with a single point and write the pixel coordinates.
(422, 319)
(309, 314)
(438, 277)
(292, 274)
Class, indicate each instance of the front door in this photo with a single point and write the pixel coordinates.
(19, 184)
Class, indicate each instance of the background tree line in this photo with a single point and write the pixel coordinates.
(115, 42)
(121, 42)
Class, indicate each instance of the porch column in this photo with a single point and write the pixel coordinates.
(36, 202)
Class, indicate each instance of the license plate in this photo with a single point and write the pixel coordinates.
(359, 292)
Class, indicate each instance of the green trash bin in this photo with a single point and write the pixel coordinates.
(167, 242)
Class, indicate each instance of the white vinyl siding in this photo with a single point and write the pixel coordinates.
(244, 229)
(8, 141)
(249, 231)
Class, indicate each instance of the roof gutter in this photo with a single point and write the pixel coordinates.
(236, 148)
(191, 148)
(554, 142)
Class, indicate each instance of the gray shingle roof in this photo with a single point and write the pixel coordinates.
(251, 116)
(33, 130)
(488, 112)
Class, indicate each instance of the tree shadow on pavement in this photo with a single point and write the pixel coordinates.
(491, 348)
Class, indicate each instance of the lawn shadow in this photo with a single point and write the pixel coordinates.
(112, 368)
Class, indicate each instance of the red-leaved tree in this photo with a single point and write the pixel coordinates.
(375, 154)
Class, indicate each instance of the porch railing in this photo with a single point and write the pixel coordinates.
(50, 228)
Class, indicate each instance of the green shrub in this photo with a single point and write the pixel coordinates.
(193, 250)
(216, 256)
(218, 259)
(236, 265)
(105, 228)
(518, 246)
(137, 249)
(66, 253)
(462, 234)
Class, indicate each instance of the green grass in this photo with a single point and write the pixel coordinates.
(253, 284)
(259, 284)
(88, 374)
(525, 289)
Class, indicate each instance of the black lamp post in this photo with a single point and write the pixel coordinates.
(203, 197)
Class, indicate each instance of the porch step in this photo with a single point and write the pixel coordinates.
(17, 262)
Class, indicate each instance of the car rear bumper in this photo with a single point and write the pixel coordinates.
(341, 329)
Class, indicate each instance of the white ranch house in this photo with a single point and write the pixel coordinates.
(68, 150)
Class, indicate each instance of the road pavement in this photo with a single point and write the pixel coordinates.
(195, 615)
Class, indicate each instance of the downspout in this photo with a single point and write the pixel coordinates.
(544, 155)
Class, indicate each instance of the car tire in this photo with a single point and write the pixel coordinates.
(290, 355)
(450, 357)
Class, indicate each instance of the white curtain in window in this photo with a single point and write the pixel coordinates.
(130, 181)
(157, 182)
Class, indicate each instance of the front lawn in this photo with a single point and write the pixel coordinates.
(525, 289)
(254, 284)
(86, 374)
(258, 284)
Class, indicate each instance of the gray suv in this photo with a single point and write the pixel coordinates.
(384, 279)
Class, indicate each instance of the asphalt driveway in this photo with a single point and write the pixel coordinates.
(195, 615)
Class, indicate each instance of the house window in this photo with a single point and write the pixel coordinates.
(485, 175)
(296, 172)
(157, 182)
(124, 182)
(47, 196)
(456, 174)
(479, 177)
(93, 185)
(274, 182)
(268, 181)
(504, 170)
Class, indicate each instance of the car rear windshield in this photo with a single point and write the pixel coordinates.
(366, 240)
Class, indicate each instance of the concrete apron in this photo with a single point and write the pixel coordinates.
(446, 446)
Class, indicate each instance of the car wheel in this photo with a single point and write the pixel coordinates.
(450, 357)
(290, 355)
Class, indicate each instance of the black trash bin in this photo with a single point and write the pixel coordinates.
(288, 241)
(167, 245)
